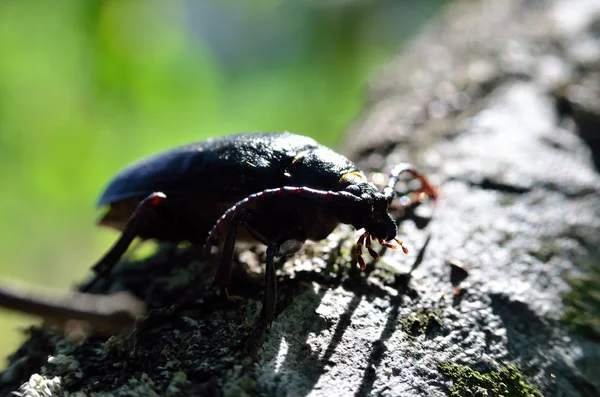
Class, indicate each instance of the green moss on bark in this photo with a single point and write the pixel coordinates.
(508, 381)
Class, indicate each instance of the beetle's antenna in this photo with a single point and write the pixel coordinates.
(427, 188)
(315, 194)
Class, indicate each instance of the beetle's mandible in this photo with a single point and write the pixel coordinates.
(282, 188)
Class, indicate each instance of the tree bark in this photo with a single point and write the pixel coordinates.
(499, 101)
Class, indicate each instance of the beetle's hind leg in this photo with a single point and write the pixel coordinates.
(145, 211)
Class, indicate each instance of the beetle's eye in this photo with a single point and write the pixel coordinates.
(353, 189)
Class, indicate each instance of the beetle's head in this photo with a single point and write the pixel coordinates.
(371, 210)
(378, 222)
(370, 213)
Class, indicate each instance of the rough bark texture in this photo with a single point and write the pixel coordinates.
(499, 101)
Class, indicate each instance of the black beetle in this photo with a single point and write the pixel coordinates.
(283, 188)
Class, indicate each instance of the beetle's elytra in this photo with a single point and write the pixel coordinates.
(282, 188)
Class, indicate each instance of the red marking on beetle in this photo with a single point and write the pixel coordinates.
(157, 199)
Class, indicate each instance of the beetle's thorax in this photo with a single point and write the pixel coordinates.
(319, 168)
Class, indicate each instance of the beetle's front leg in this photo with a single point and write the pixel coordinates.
(145, 211)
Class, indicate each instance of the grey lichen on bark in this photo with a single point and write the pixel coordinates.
(499, 102)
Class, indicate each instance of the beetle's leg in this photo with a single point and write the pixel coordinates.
(279, 245)
(224, 270)
(284, 244)
(267, 313)
(270, 303)
(145, 210)
(223, 275)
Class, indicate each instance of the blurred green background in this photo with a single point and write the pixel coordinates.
(87, 87)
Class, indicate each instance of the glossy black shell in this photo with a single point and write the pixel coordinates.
(230, 168)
